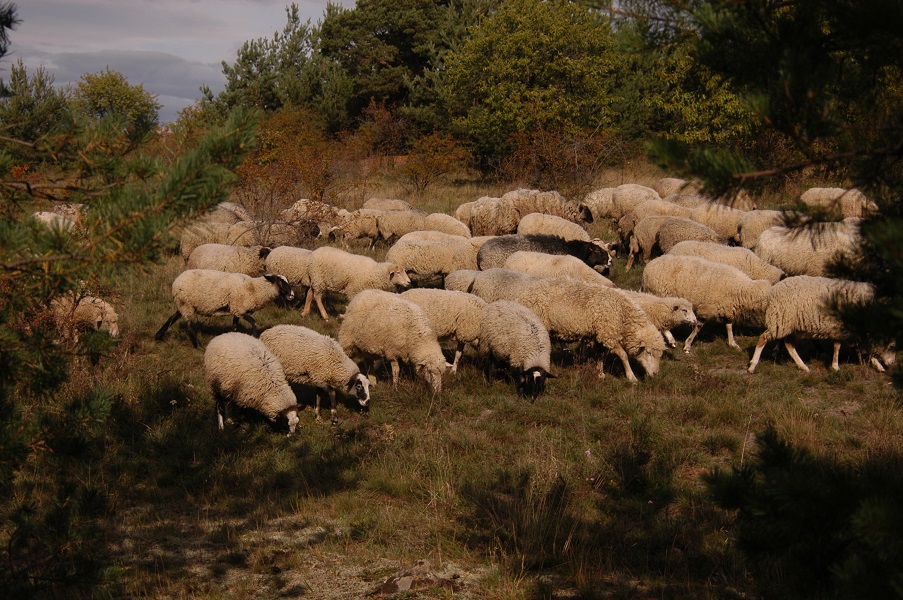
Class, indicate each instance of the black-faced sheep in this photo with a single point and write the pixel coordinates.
(496, 251)
(513, 333)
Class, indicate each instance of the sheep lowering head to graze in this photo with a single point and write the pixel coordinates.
(86, 312)
(334, 270)
(384, 325)
(217, 293)
(311, 358)
(240, 370)
(554, 265)
(495, 251)
(803, 307)
(250, 260)
(430, 255)
(511, 332)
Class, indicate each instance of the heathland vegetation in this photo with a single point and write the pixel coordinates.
(701, 482)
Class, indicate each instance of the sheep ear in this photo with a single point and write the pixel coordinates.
(372, 379)
(264, 252)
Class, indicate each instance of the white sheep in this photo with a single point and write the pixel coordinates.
(801, 307)
(674, 185)
(501, 284)
(250, 260)
(686, 200)
(311, 358)
(217, 293)
(70, 314)
(271, 233)
(665, 313)
(743, 258)
(226, 212)
(717, 291)
(446, 224)
(511, 332)
(599, 203)
(553, 265)
(392, 224)
(203, 232)
(452, 314)
(240, 370)
(627, 196)
(460, 280)
(387, 204)
(659, 234)
(552, 225)
(849, 202)
(575, 311)
(463, 212)
(290, 262)
(808, 250)
(754, 222)
(53, 221)
(382, 324)
(358, 224)
(335, 270)
(500, 216)
(428, 255)
(719, 217)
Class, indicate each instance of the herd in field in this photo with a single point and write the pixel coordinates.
(508, 276)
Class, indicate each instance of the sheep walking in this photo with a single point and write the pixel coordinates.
(311, 358)
(665, 313)
(743, 258)
(240, 370)
(453, 314)
(513, 333)
(552, 225)
(717, 291)
(801, 307)
(501, 284)
(811, 249)
(428, 255)
(290, 262)
(383, 324)
(334, 270)
(250, 260)
(555, 265)
(217, 293)
(496, 251)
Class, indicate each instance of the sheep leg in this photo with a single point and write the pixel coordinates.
(235, 323)
(622, 354)
(877, 364)
(253, 323)
(757, 354)
(835, 364)
(307, 302)
(689, 341)
(318, 296)
(395, 372)
(192, 335)
(669, 337)
(332, 409)
(162, 331)
(222, 412)
(458, 352)
(730, 337)
(796, 357)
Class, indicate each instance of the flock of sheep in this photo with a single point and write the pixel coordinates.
(507, 276)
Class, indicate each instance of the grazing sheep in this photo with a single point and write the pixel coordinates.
(460, 280)
(92, 312)
(290, 262)
(501, 284)
(446, 224)
(511, 332)
(387, 204)
(850, 203)
(382, 324)
(659, 234)
(554, 265)
(686, 200)
(392, 224)
(358, 224)
(426, 255)
(334, 270)
(240, 370)
(647, 208)
(599, 203)
(311, 358)
(492, 216)
(452, 314)
(801, 306)
(53, 221)
(250, 260)
(217, 293)
(665, 313)
(574, 311)
(626, 197)
(743, 258)
(203, 232)
(719, 217)
(717, 291)
(552, 225)
(754, 222)
(500, 216)
(808, 250)
(271, 233)
(463, 212)
(667, 186)
(226, 212)
(496, 251)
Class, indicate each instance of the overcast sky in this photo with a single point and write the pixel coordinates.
(172, 47)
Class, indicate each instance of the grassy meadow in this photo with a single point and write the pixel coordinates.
(593, 490)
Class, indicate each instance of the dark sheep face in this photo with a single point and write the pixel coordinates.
(286, 294)
(532, 382)
(359, 388)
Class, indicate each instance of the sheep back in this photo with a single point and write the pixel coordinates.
(250, 260)
(309, 357)
(553, 265)
(551, 225)
(743, 258)
(290, 262)
(451, 313)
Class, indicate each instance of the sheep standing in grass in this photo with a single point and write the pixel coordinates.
(426, 255)
(92, 312)
(754, 222)
(382, 324)
(555, 265)
(551, 225)
(850, 203)
(719, 217)
(311, 358)
(461, 280)
(802, 307)
(496, 251)
(717, 291)
(359, 224)
(808, 250)
(452, 314)
(627, 196)
(665, 313)
(501, 284)
(573, 311)
(250, 260)
(217, 293)
(599, 203)
(387, 204)
(655, 235)
(511, 332)
(292, 263)
(743, 258)
(203, 232)
(240, 370)
(334, 270)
